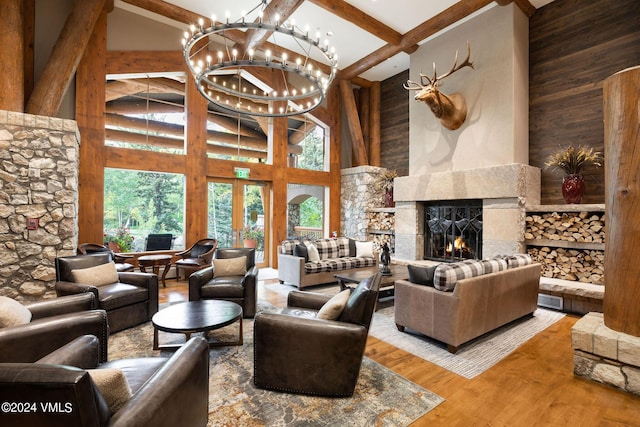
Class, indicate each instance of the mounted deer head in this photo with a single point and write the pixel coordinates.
(450, 109)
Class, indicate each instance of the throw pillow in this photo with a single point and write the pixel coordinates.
(100, 275)
(301, 250)
(332, 309)
(12, 313)
(352, 247)
(447, 275)
(113, 386)
(314, 255)
(421, 275)
(230, 266)
(364, 249)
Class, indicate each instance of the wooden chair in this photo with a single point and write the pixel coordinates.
(120, 259)
(197, 257)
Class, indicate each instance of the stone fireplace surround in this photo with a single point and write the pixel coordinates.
(504, 190)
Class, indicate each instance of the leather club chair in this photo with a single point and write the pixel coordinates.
(120, 259)
(164, 391)
(294, 352)
(241, 289)
(197, 257)
(130, 301)
(54, 323)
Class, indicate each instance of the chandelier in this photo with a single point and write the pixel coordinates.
(236, 79)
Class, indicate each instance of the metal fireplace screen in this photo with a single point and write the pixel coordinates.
(453, 230)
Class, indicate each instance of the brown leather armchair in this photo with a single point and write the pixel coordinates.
(197, 257)
(54, 323)
(120, 259)
(296, 353)
(129, 302)
(204, 284)
(165, 392)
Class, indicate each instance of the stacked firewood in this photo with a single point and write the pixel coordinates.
(570, 264)
(381, 220)
(569, 226)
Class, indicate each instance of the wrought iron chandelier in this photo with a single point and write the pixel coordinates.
(229, 76)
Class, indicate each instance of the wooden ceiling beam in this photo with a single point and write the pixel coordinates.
(169, 10)
(284, 8)
(65, 57)
(368, 23)
(439, 22)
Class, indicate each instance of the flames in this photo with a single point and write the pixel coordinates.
(458, 245)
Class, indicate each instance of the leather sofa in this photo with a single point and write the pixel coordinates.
(54, 323)
(164, 391)
(241, 289)
(476, 305)
(295, 352)
(130, 301)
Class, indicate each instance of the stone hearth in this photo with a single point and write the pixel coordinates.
(504, 191)
(604, 355)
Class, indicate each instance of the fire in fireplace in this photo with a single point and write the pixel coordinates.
(453, 230)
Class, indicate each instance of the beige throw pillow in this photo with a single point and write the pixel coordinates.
(113, 386)
(230, 266)
(100, 275)
(332, 309)
(314, 255)
(12, 313)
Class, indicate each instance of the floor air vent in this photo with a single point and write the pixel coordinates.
(550, 301)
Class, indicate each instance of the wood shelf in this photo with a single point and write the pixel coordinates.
(373, 231)
(593, 207)
(388, 210)
(566, 244)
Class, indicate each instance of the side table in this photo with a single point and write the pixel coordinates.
(155, 262)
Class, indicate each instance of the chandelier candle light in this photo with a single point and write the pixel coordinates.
(226, 74)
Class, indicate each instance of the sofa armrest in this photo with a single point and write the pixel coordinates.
(290, 268)
(303, 299)
(196, 280)
(63, 305)
(32, 341)
(276, 367)
(144, 280)
(178, 394)
(71, 288)
(250, 283)
(83, 352)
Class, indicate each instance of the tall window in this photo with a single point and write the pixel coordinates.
(146, 112)
(308, 144)
(137, 204)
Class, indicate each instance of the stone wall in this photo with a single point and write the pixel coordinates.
(38, 183)
(360, 190)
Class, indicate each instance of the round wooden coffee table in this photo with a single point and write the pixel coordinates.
(196, 316)
(155, 262)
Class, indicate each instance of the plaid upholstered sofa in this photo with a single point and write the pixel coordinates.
(335, 254)
(468, 298)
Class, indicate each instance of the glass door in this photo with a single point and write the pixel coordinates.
(238, 215)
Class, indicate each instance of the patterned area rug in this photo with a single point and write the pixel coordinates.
(382, 398)
(472, 358)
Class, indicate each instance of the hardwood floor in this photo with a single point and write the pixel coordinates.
(534, 386)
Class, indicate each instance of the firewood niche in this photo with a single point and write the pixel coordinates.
(568, 240)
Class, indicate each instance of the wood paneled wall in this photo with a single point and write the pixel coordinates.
(574, 45)
(394, 124)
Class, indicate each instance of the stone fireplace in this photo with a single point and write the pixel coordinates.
(502, 192)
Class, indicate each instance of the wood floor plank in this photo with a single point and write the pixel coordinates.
(533, 386)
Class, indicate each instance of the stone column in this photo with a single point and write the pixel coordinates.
(622, 201)
(38, 201)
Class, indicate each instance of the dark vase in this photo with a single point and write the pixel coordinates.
(388, 198)
(573, 188)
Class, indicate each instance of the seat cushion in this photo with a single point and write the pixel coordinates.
(120, 295)
(223, 287)
(136, 370)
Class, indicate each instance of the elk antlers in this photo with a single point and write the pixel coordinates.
(450, 109)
